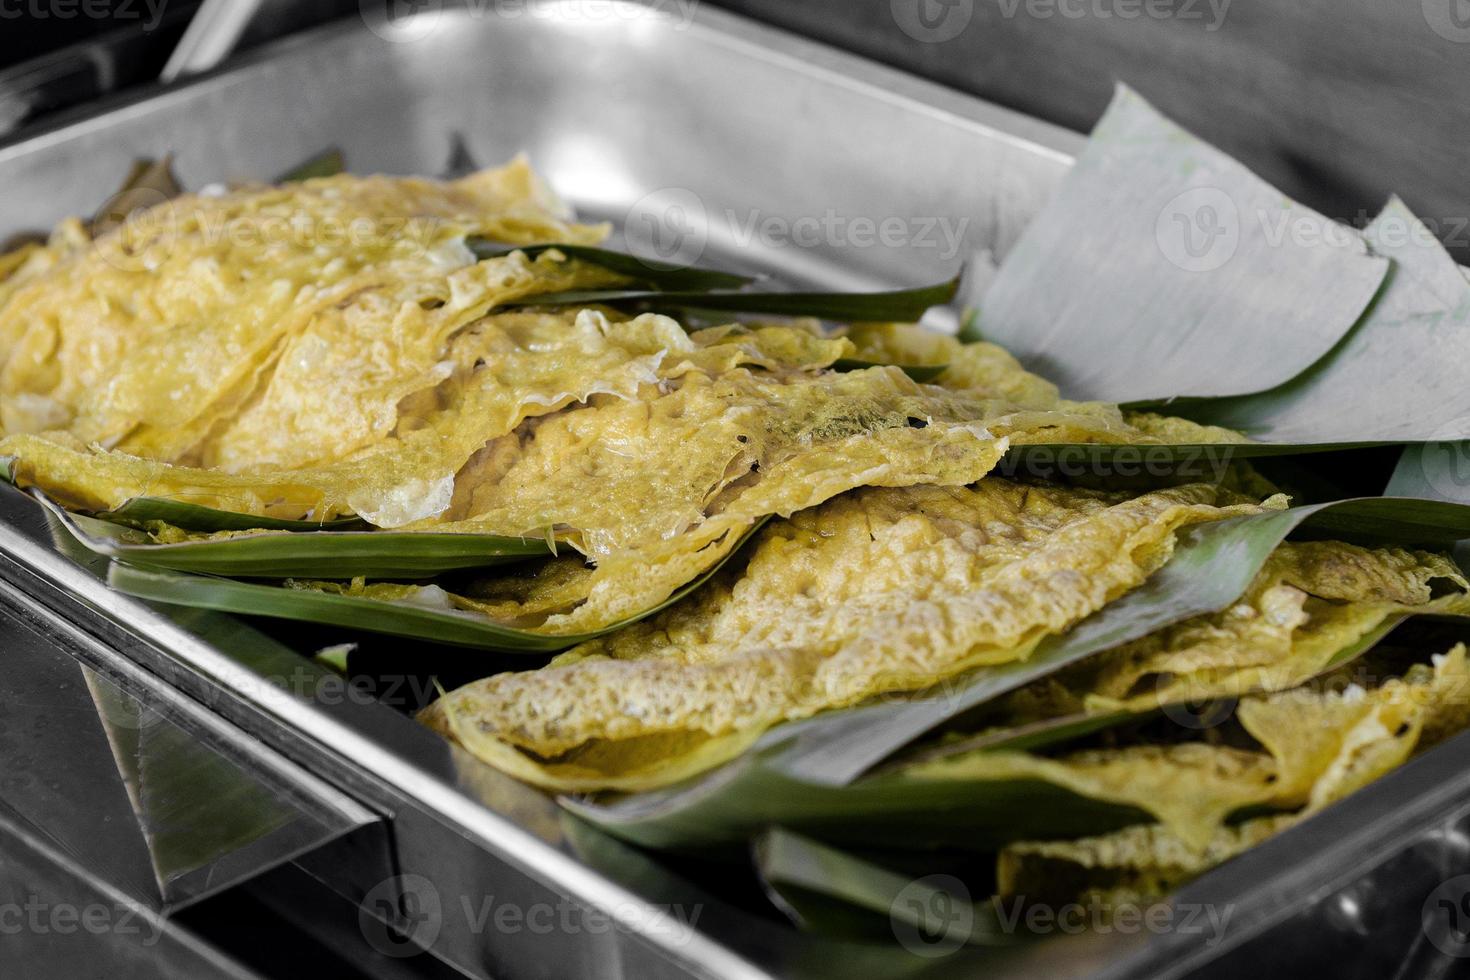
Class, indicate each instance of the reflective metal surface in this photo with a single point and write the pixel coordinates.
(705, 135)
(122, 802)
(136, 786)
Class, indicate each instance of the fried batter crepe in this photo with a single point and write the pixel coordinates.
(1311, 601)
(874, 592)
(312, 306)
(1322, 745)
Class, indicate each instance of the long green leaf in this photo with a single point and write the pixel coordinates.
(447, 626)
(748, 795)
(141, 511)
(907, 305)
(452, 628)
(1163, 268)
(659, 276)
(311, 554)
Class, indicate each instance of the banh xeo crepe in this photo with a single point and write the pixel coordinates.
(1311, 602)
(269, 324)
(1320, 744)
(880, 591)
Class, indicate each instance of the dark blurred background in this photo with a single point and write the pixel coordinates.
(1338, 102)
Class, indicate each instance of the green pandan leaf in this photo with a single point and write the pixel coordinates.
(141, 511)
(301, 554)
(426, 616)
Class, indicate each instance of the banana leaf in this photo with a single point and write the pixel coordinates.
(658, 276)
(310, 554)
(1410, 396)
(808, 774)
(1164, 268)
(903, 305)
(446, 626)
(795, 868)
(327, 163)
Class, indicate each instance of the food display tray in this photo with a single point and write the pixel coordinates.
(704, 136)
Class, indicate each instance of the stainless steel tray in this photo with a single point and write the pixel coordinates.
(703, 134)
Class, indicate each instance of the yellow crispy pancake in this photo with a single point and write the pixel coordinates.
(877, 591)
(1323, 746)
(316, 304)
(1310, 601)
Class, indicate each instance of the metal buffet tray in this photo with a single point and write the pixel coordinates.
(156, 757)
